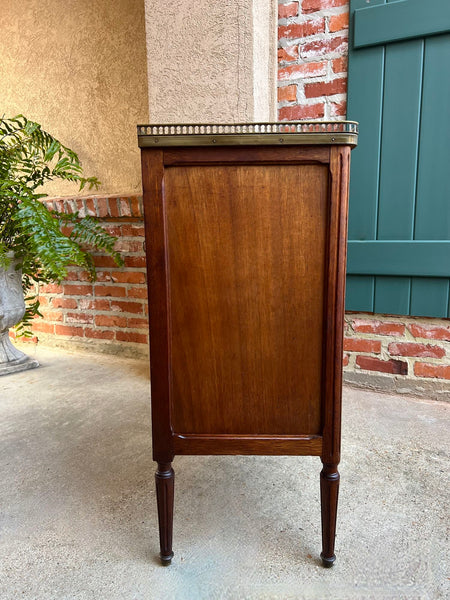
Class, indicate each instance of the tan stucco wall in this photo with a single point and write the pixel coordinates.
(211, 60)
(79, 68)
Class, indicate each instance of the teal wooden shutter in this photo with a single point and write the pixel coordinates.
(399, 220)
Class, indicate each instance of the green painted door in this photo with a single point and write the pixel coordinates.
(399, 221)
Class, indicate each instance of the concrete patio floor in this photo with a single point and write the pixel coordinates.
(78, 515)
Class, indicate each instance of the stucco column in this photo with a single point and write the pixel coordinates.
(211, 61)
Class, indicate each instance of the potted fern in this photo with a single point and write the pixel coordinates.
(37, 245)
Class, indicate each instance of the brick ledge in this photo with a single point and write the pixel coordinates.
(431, 389)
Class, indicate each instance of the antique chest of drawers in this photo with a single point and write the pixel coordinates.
(246, 231)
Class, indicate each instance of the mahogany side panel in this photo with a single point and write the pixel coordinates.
(246, 253)
(158, 302)
(241, 444)
(247, 155)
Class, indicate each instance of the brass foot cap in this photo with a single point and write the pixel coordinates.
(166, 559)
(328, 561)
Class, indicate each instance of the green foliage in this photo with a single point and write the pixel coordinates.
(47, 242)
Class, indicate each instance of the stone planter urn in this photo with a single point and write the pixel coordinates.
(12, 309)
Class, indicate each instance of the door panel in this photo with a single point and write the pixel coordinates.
(399, 186)
(229, 256)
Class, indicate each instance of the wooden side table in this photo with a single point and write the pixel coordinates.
(246, 230)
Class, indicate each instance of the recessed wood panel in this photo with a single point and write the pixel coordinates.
(246, 271)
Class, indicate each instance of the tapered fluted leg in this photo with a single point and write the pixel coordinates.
(329, 490)
(165, 479)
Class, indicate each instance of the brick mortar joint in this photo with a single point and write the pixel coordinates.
(95, 196)
(322, 12)
(402, 319)
(313, 101)
(406, 338)
(315, 37)
(303, 80)
(413, 359)
(387, 340)
(405, 321)
(107, 312)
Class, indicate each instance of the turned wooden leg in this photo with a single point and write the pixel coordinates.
(329, 490)
(165, 478)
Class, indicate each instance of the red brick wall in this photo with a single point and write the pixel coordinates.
(411, 350)
(113, 310)
(398, 345)
(312, 59)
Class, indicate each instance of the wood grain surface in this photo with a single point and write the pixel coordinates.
(246, 258)
(247, 155)
(277, 445)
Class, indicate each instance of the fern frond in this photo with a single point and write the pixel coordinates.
(88, 231)
(54, 250)
(29, 157)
